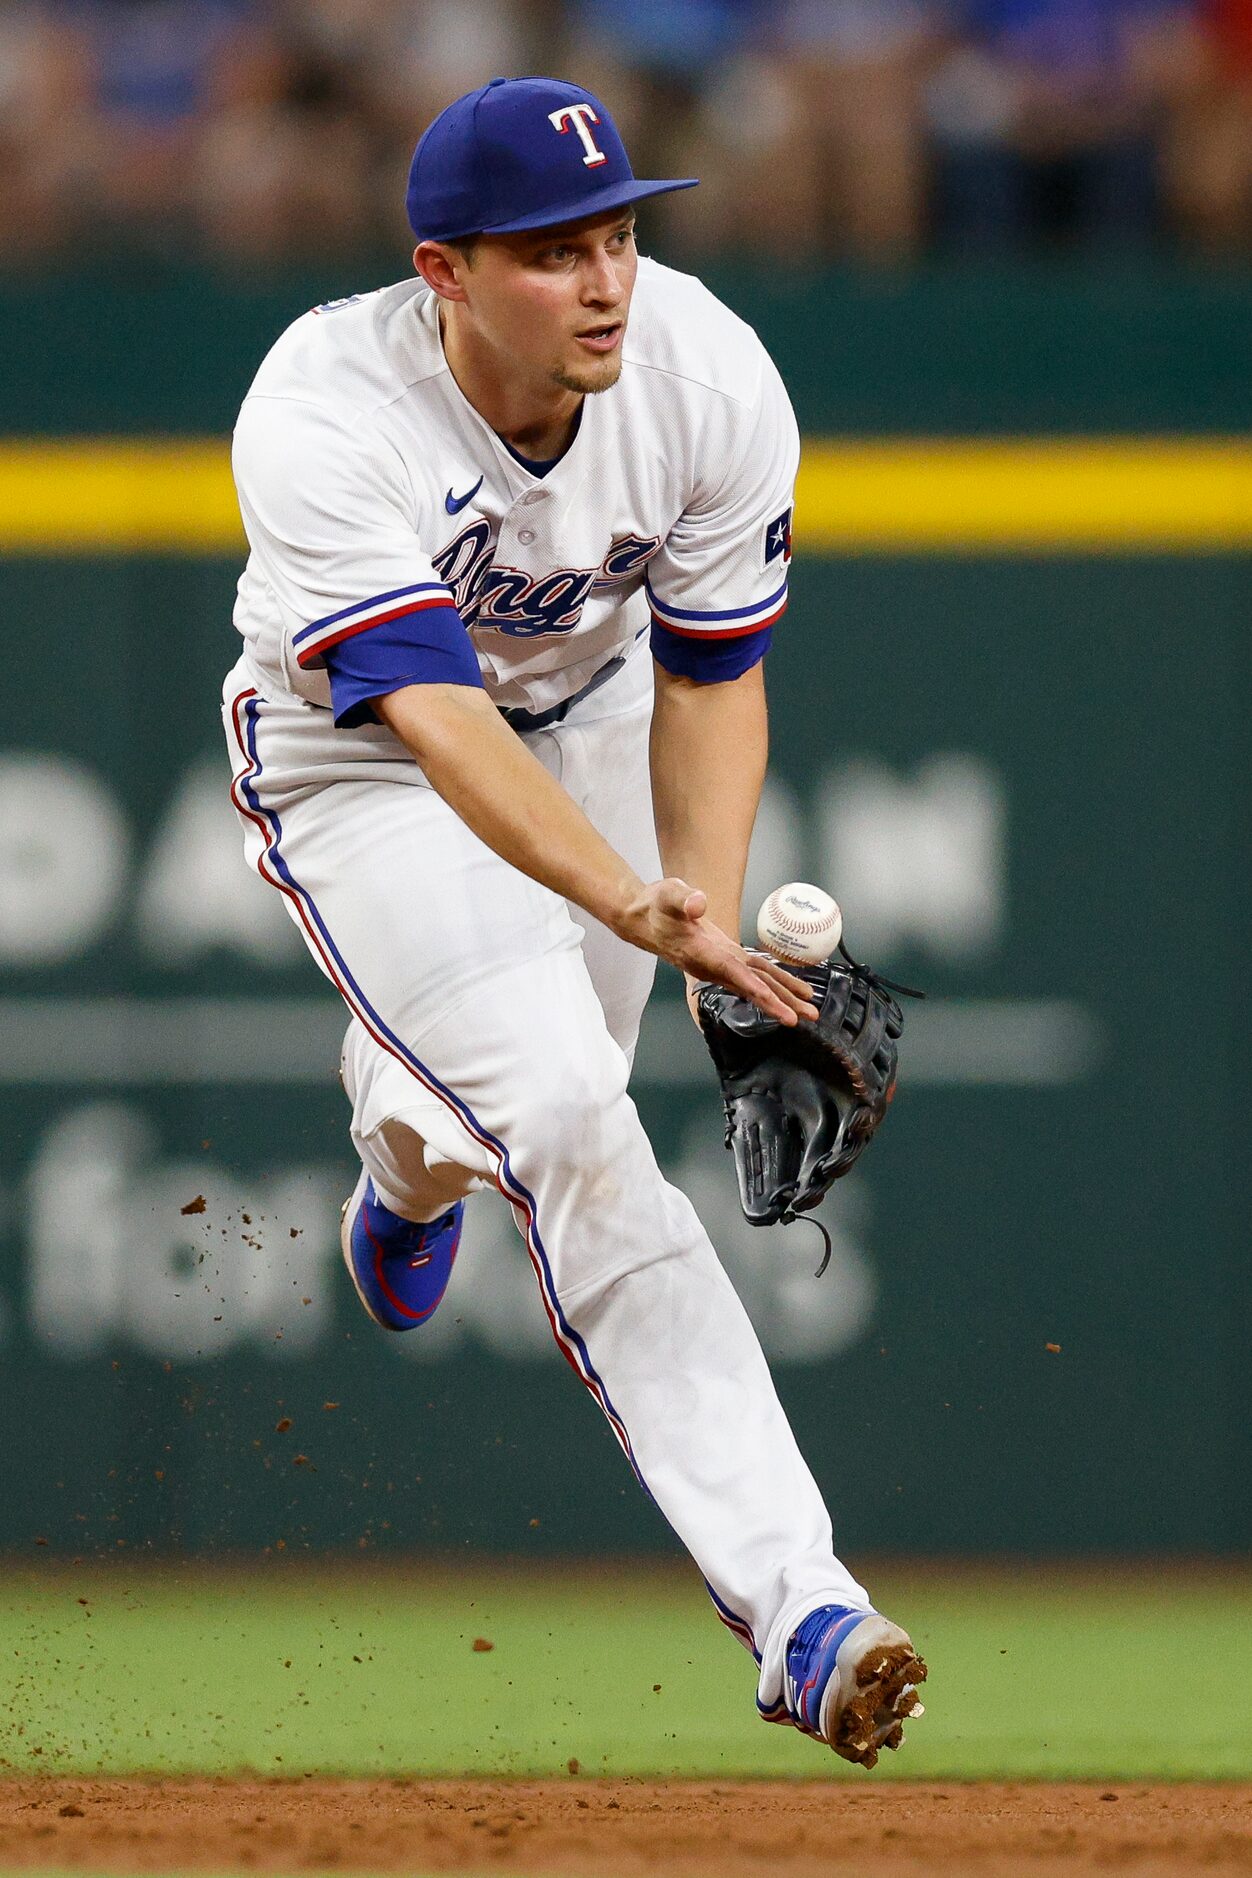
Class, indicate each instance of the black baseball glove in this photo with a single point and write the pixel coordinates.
(803, 1101)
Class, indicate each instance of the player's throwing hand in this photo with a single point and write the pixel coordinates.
(671, 920)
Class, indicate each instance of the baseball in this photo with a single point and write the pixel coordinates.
(799, 924)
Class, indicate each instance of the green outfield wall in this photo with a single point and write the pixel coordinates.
(1022, 768)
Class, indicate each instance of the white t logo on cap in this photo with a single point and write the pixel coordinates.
(579, 115)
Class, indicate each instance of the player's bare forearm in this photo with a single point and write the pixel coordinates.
(708, 752)
(501, 790)
(709, 747)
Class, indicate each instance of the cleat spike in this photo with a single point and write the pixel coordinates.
(851, 1680)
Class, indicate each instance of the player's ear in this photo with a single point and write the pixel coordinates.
(441, 267)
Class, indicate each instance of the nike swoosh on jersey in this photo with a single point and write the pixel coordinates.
(454, 504)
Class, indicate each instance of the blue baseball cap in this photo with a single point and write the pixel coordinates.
(520, 153)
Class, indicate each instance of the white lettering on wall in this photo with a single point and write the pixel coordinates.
(113, 1260)
(64, 847)
(916, 859)
(113, 1256)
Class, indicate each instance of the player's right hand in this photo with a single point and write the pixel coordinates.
(670, 919)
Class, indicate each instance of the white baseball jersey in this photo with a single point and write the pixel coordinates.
(376, 498)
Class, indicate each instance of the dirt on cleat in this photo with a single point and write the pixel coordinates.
(886, 1698)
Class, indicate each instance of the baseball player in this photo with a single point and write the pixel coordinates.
(520, 532)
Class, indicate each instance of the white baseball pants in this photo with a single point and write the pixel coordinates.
(491, 1035)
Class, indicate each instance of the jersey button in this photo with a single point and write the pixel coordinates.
(526, 535)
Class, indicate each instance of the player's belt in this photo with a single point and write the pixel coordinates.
(520, 720)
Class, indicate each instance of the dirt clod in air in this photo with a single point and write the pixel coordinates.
(194, 1206)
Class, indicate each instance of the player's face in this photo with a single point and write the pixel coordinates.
(554, 302)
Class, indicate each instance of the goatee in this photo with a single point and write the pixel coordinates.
(594, 378)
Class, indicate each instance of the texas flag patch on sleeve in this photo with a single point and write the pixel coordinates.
(778, 538)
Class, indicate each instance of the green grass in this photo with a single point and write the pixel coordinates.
(288, 1669)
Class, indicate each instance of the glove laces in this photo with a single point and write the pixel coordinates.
(875, 980)
(789, 1219)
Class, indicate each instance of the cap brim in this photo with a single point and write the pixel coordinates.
(596, 202)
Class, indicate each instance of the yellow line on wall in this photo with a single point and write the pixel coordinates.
(1069, 495)
(108, 496)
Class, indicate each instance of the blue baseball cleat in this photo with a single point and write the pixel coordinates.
(400, 1270)
(851, 1681)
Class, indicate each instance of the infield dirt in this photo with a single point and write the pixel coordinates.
(598, 1828)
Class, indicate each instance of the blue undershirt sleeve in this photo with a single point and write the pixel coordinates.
(709, 661)
(427, 648)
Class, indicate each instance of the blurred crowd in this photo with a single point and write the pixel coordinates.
(878, 130)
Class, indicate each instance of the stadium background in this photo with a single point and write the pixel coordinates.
(1001, 255)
